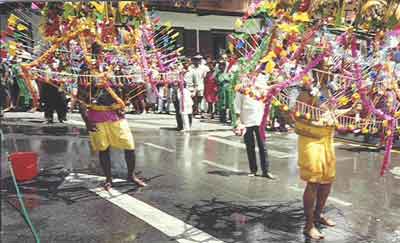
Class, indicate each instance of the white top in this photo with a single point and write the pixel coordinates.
(187, 107)
(195, 77)
(251, 111)
(151, 96)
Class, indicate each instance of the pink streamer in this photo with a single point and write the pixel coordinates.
(34, 6)
(389, 145)
(146, 69)
(394, 32)
(372, 109)
(279, 87)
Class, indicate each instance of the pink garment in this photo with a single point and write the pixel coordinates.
(211, 88)
(103, 116)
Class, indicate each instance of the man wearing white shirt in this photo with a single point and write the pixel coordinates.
(250, 113)
(195, 81)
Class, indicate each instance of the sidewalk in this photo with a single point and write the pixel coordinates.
(136, 121)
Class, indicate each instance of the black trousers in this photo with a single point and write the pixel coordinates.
(54, 101)
(197, 104)
(251, 133)
(178, 116)
(3, 96)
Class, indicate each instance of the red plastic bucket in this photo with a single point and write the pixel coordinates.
(25, 165)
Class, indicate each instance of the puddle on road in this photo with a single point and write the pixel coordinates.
(276, 222)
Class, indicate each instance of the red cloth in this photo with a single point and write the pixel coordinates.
(211, 88)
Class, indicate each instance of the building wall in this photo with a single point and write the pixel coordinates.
(3, 22)
(194, 21)
(205, 34)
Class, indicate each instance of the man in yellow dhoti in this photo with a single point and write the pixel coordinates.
(317, 163)
(108, 128)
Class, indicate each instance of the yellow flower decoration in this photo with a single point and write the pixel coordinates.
(269, 5)
(12, 20)
(343, 101)
(238, 24)
(122, 5)
(98, 6)
(268, 57)
(293, 47)
(289, 28)
(356, 96)
(306, 78)
(301, 17)
(276, 103)
(21, 27)
(270, 67)
(237, 87)
(12, 45)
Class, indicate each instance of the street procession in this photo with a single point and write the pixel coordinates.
(200, 121)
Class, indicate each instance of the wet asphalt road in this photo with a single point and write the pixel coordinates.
(199, 178)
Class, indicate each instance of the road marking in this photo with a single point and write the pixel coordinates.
(333, 199)
(167, 224)
(159, 147)
(271, 152)
(75, 122)
(221, 166)
(221, 133)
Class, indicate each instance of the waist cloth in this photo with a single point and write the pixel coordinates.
(112, 131)
(316, 153)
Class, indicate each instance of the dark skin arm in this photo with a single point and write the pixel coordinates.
(90, 127)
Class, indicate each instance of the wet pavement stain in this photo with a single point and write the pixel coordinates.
(46, 186)
(45, 130)
(278, 222)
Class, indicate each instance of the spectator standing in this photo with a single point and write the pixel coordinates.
(223, 91)
(250, 113)
(54, 99)
(5, 77)
(151, 98)
(195, 82)
(186, 108)
(211, 89)
(176, 102)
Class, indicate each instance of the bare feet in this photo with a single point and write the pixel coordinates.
(138, 181)
(325, 221)
(313, 233)
(107, 186)
(8, 109)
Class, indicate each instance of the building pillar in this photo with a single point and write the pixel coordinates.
(197, 40)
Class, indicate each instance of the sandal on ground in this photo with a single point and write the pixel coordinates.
(313, 233)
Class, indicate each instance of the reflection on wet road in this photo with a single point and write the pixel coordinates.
(200, 179)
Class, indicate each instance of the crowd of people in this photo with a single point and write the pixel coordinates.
(207, 93)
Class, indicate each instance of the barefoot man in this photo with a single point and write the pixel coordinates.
(107, 128)
(317, 161)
